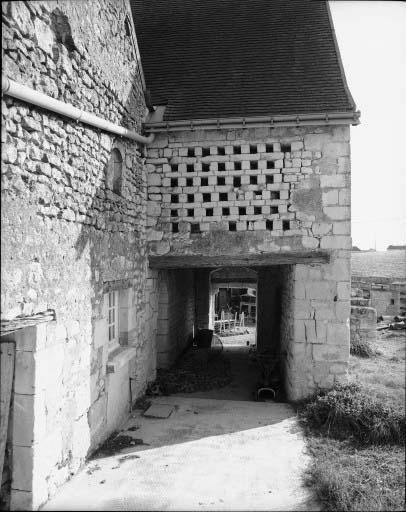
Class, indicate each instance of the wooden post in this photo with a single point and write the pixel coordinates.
(7, 356)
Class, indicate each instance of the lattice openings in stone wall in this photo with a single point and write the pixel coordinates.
(239, 187)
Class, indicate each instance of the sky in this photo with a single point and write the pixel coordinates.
(371, 36)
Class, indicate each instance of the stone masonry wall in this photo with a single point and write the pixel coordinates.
(252, 190)
(268, 190)
(176, 315)
(67, 237)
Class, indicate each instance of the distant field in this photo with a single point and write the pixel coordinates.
(379, 264)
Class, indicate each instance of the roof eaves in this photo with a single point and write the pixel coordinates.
(318, 118)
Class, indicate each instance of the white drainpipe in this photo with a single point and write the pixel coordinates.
(24, 93)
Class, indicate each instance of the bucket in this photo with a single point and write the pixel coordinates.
(203, 338)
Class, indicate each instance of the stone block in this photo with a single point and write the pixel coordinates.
(338, 334)
(337, 212)
(333, 181)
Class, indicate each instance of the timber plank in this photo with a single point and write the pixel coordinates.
(249, 260)
(7, 355)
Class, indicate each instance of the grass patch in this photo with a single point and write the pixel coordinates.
(356, 433)
(350, 412)
(361, 348)
(345, 478)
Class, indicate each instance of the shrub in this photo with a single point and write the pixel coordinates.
(349, 411)
(361, 348)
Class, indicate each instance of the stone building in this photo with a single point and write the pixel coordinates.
(229, 147)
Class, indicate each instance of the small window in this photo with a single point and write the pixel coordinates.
(270, 164)
(274, 210)
(174, 213)
(285, 148)
(275, 195)
(226, 211)
(257, 210)
(269, 179)
(174, 198)
(175, 227)
(190, 168)
(205, 167)
(269, 148)
(221, 151)
(190, 198)
(237, 181)
(190, 152)
(232, 226)
(285, 225)
(237, 166)
(221, 181)
(237, 150)
(174, 167)
(206, 198)
(189, 182)
(114, 171)
(223, 196)
(204, 182)
(242, 210)
(253, 164)
(190, 212)
(174, 182)
(392, 301)
(209, 212)
(253, 148)
(205, 151)
(269, 225)
(253, 180)
(221, 167)
(112, 319)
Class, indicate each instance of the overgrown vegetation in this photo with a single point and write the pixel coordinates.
(350, 412)
(361, 348)
(356, 434)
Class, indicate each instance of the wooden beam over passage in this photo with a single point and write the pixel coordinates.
(248, 260)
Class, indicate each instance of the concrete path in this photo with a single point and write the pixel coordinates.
(208, 455)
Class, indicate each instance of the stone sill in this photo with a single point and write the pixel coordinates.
(119, 358)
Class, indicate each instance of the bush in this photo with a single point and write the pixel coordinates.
(349, 411)
(361, 348)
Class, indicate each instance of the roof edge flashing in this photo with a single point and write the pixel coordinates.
(315, 119)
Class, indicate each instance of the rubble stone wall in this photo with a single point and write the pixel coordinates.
(68, 238)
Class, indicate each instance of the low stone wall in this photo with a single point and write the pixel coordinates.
(363, 323)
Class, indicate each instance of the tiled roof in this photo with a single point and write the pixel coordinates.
(240, 58)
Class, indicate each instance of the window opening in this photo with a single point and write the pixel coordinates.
(205, 167)
(191, 152)
(174, 213)
(206, 198)
(275, 195)
(221, 167)
(174, 167)
(204, 182)
(221, 181)
(221, 151)
(174, 182)
(253, 180)
(226, 211)
(113, 319)
(270, 164)
(175, 227)
(285, 225)
(189, 182)
(269, 225)
(232, 226)
(223, 196)
(190, 212)
(237, 150)
(174, 198)
(195, 228)
(237, 181)
(237, 166)
(253, 148)
(257, 210)
(209, 212)
(115, 168)
(269, 179)
(269, 148)
(190, 168)
(205, 151)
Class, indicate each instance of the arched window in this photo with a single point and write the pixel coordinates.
(114, 171)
